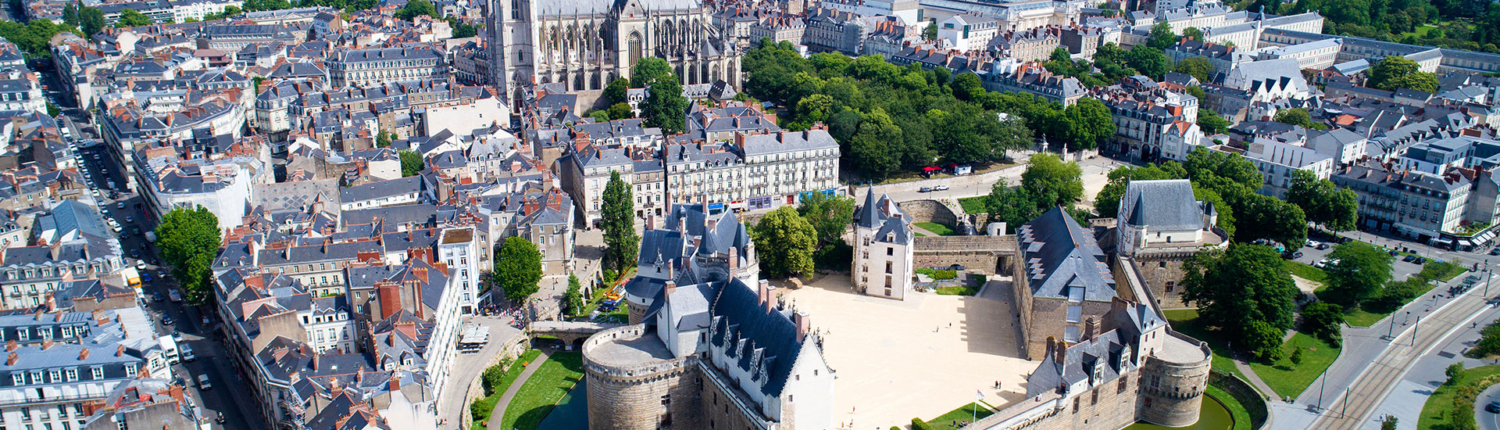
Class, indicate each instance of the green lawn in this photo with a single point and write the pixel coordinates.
(1241, 416)
(1359, 317)
(940, 229)
(1186, 321)
(1445, 271)
(1288, 379)
(543, 390)
(1306, 272)
(963, 414)
(919, 234)
(511, 373)
(1435, 411)
(962, 290)
(973, 205)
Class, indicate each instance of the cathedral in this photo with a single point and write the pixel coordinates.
(585, 44)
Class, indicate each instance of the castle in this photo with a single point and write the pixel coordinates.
(882, 243)
(710, 351)
(585, 44)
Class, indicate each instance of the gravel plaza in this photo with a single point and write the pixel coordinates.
(922, 357)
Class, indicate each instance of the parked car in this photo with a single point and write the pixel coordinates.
(1495, 251)
(140, 264)
(925, 189)
(1394, 253)
(145, 276)
(940, 188)
(1408, 258)
(167, 320)
(187, 352)
(177, 336)
(120, 205)
(220, 418)
(203, 383)
(1324, 245)
(1420, 261)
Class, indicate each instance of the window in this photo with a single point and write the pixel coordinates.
(98, 372)
(36, 377)
(72, 375)
(1075, 405)
(1095, 397)
(18, 378)
(130, 369)
(56, 375)
(1171, 286)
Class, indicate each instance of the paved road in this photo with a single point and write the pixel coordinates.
(1378, 379)
(1486, 419)
(1095, 176)
(469, 366)
(213, 358)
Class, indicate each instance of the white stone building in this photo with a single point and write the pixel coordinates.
(883, 251)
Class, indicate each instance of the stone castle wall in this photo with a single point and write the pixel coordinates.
(1172, 393)
(929, 211)
(647, 396)
(1049, 318)
(988, 254)
(1163, 274)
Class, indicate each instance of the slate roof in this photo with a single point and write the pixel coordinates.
(1171, 206)
(1063, 260)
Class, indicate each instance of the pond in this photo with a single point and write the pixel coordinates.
(572, 412)
(1212, 417)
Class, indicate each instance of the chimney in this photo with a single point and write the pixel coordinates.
(390, 298)
(763, 289)
(11, 345)
(1091, 330)
(650, 222)
(395, 383)
(734, 261)
(713, 223)
(670, 272)
(416, 294)
(47, 344)
(120, 350)
(681, 224)
(11, 361)
(1060, 354)
(670, 288)
(770, 297)
(83, 355)
(803, 322)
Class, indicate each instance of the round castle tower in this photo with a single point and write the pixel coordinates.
(1172, 384)
(634, 382)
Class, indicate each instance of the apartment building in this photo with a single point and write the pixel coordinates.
(382, 65)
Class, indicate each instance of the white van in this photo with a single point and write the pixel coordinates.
(169, 349)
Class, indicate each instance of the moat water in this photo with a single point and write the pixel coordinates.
(1213, 416)
(571, 413)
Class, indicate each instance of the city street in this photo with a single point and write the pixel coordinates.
(1095, 176)
(227, 395)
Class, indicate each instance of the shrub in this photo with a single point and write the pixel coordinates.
(1455, 373)
(481, 409)
(1296, 356)
(1395, 295)
(491, 378)
(918, 424)
(609, 277)
(1323, 320)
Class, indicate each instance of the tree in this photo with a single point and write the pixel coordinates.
(518, 269)
(189, 240)
(70, 14)
(1089, 122)
(1361, 271)
(785, 241)
(618, 91)
(415, 8)
(664, 106)
(464, 29)
(648, 71)
(1243, 292)
(411, 163)
(90, 20)
(1148, 61)
(1396, 72)
(1264, 217)
(1198, 67)
(1211, 123)
(1107, 202)
(620, 110)
(1161, 36)
(383, 140)
(53, 110)
(1298, 117)
(1388, 422)
(131, 18)
(573, 298)
(1057, 182)
(930, 33)
(617, 217)
(1455, 372)
(1193, 33)
(1323, 320)
(830, 216)
(1323, 202)
(1296, 357)
(871, 147)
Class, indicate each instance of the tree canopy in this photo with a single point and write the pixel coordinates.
(664, 106)
(617, 218)
(1322, 202)
(830, 216)
(1361, 271)
(131, 18)
(518, 269)
(411, 163)
(34, 37)
(889, 118)
(1396, 72)
(1243, 292)
(786, 242)
(1161, 36)
(1198, 67)
(189, 241)
(1059, 182)
(416, 8)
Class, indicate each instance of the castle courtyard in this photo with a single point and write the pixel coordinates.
(922, 357)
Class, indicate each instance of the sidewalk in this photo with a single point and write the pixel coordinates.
(498, 416)
(1254, 379)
